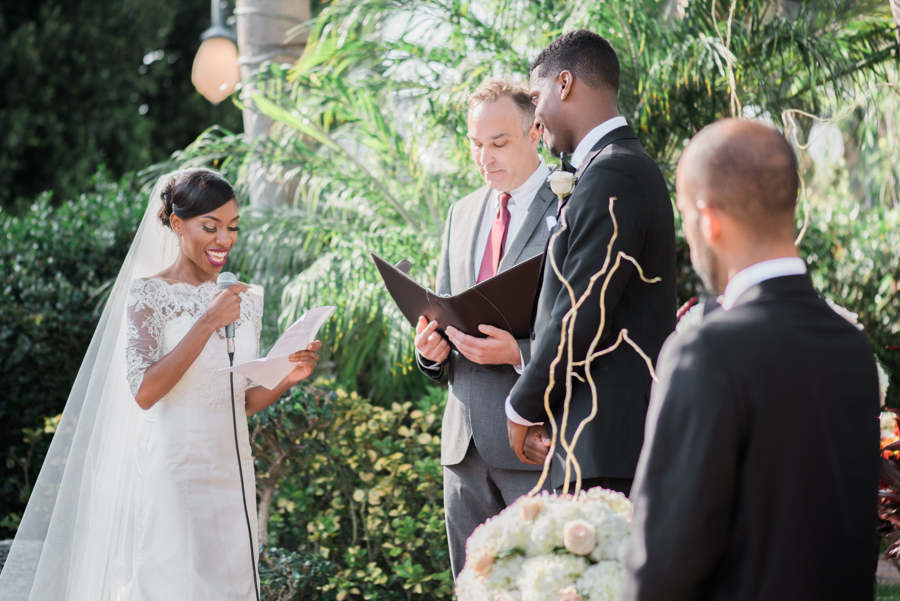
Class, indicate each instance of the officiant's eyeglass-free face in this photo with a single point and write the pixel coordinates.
(207, 239)
(505, 154)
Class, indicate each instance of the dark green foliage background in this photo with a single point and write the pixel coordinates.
(56, 264)
(75, 78)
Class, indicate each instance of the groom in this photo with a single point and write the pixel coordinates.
(759, 476)
(574, 84)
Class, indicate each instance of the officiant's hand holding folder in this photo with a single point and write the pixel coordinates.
(503, 301)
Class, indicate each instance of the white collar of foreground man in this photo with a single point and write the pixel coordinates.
(595, 135)
(760, 272)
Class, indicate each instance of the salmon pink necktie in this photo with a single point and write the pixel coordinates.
(496, 243)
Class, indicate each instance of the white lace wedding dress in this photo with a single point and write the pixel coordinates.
(191, 534)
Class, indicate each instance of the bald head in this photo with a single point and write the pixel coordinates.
(748, 170)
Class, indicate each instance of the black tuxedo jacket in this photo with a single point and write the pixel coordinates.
(759, 477)
(610, 445)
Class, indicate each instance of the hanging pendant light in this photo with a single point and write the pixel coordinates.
(215, 72)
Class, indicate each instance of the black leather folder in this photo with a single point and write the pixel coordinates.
(503, 301)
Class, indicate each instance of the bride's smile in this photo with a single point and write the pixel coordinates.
(206, 241)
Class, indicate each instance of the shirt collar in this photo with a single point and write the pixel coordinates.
(595, 135)
(524, 194)
(758, 273)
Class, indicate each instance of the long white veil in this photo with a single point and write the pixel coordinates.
(76, 538)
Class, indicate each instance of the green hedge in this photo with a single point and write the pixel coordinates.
(854, 258)
(56, 265)
(366, 494)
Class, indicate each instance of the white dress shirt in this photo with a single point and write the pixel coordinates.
(518, 206)
(595, 135)
(522, 198)
(760, 272)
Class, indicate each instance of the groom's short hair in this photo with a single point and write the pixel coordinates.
(583, 53)
(492, 89)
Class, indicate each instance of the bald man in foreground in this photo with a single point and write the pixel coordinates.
(759, 471)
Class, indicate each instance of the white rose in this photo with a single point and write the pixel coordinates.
(542, 577)
(578, 537)
(569, 593)
(531, 507)
(561, 182)
(482, 564)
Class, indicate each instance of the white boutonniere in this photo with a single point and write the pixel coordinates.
(562, 183)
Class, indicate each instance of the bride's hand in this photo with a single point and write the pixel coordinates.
(306, 362)
(225, 307)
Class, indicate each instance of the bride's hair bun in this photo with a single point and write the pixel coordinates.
(193, 192)
(168, 195)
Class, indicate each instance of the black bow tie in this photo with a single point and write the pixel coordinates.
(566, 165)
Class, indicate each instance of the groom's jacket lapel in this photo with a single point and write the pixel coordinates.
(620, 133)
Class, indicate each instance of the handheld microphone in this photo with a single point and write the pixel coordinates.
(225, 280)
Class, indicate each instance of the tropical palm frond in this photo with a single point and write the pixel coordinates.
(370, 128)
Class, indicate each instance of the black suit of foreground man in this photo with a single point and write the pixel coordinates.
(759, 473)
(574, 83)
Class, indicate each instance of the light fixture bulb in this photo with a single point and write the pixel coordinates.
(215, 72)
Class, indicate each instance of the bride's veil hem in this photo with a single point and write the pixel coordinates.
(76, 540)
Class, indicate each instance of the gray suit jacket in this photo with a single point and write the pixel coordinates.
(475, 408)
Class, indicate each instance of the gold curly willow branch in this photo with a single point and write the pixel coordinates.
(565, 344)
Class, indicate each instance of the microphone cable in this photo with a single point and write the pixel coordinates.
(237, 450)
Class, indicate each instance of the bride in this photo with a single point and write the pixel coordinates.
(140, 496)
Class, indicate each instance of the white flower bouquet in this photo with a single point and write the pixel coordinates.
(550, 548)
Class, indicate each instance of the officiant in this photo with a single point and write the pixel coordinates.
(499, 225)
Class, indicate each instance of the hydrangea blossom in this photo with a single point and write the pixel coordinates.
(521, 554)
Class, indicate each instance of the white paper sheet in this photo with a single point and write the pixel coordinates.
(275, 367)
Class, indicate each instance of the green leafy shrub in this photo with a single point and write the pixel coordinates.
(853, 257)
(288, 576)
(56, 265)
(279, 441)
(367, 495)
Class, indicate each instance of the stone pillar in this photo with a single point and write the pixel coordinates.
(262, 27)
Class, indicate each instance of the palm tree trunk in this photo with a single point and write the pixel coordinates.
(262, 29)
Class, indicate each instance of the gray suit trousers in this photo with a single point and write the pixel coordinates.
(474, 492)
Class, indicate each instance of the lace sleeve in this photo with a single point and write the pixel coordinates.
(142, 348)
